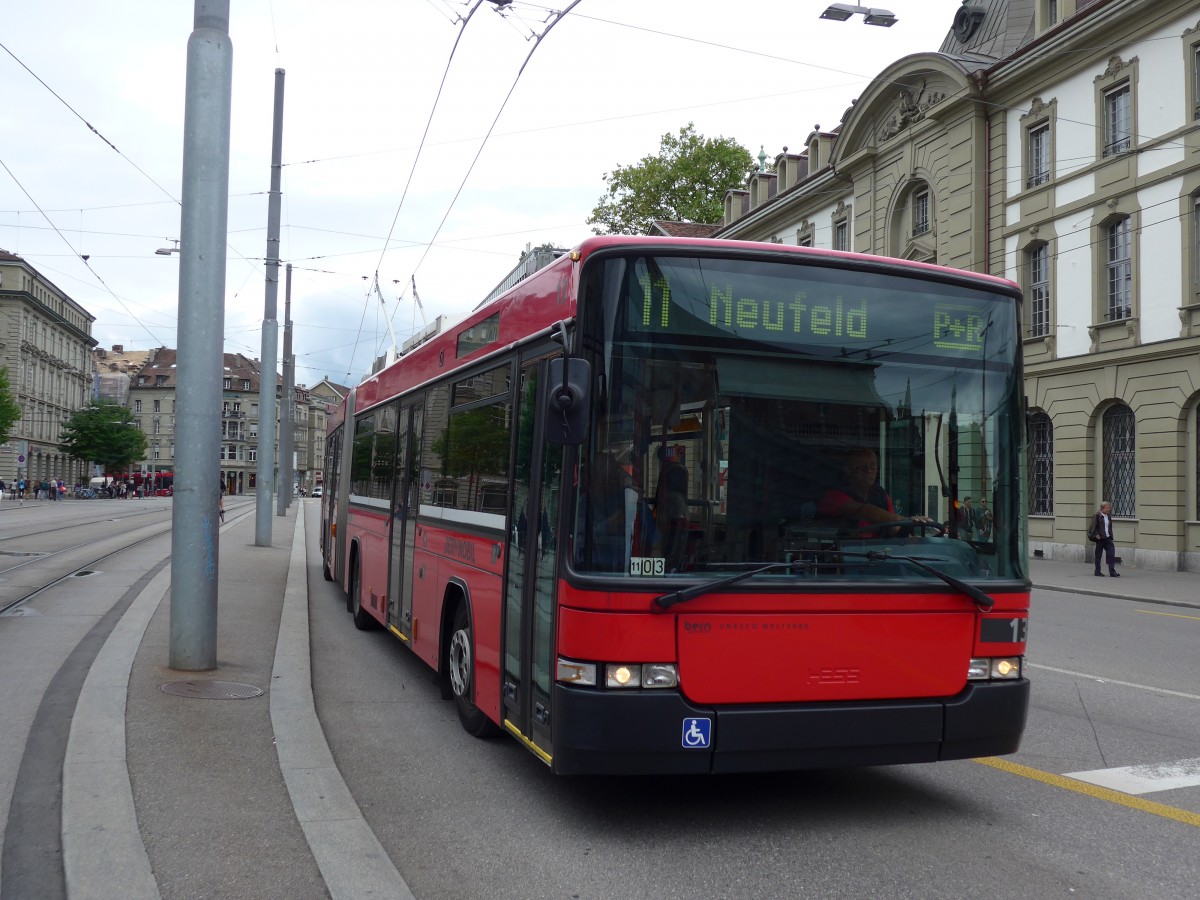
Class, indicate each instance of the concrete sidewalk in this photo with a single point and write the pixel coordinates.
(215, 783)
(1141, 585)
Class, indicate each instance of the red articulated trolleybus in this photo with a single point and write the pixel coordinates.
(701, 506)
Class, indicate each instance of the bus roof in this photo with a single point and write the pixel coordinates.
(534, 305)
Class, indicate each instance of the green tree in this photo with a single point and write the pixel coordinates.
(10, 411)
(104, 433)
(685, 182)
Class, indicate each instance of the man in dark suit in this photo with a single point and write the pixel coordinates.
(1102, 528)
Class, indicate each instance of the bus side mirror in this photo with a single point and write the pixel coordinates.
(567, 400)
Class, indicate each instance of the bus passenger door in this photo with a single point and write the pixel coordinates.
(399, 611)
(529, 588)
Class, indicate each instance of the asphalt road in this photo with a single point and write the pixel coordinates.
(1115, 684)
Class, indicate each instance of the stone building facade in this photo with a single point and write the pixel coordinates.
(1057, 143)
(152, 401)
(46, 346)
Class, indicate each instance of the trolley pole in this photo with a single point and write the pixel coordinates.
(270, 338)
(202, 233)
(287, 424)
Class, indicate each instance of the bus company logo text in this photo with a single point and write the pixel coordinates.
(461, 548)
(707, 627)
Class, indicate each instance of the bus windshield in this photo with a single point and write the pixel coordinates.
(748, 412)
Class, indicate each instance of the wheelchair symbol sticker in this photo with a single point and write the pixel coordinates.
(697, 733)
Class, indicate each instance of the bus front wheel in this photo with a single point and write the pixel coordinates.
(461, 671)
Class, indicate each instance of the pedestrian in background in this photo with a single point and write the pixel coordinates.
(1102, 528)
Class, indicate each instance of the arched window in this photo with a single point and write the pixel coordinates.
(1119, 481)
(1041, 465)
(1195, 455)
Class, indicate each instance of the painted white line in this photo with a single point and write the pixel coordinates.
(1102, 680)
(1144, 779)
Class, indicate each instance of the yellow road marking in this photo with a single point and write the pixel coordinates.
(1092, 790)
(1151, 612)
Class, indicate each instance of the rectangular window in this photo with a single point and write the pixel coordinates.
(245, 384)
(137, 406)
(1196, 82)
(157, 405)
(488, 384)
(481, 334)
(227, 383)
(1120, 270)
(1039, 291)
(920, 211)
(477, 453)
(1118, 126)
(1039, 155)
(1196, 249)
(840, 234)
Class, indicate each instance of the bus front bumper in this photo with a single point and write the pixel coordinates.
(651, 732)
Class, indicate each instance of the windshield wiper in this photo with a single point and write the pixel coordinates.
(985, 602)
(666, 601)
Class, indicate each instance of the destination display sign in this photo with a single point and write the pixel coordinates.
(811, 307)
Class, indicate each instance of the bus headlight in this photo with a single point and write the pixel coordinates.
(660, 675)
(646, 675)
(1006, 667)
(977, 669)
(618, 675)
(1000, 668)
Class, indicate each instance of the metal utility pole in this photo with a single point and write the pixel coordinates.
(270, 338)
(200, 359)
(287, 424)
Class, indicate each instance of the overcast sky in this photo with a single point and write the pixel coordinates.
(91, 124)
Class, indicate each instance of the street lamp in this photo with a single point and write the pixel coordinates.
(167, 251)
(840, 12)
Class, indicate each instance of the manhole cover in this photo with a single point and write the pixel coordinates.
(212, 690)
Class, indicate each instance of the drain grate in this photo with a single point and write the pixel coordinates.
(211, 690)
(83, 573)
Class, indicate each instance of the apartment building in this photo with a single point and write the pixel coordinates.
(1057, 143)
(45, 344)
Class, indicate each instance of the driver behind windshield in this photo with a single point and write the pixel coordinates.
(860, 502)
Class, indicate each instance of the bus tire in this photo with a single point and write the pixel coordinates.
(363, 620)
(460, 668)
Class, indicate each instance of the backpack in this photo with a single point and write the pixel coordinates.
(1092, 531)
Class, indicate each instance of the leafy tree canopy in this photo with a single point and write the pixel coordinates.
(685, 182)
(10, 412)
(104, 433)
